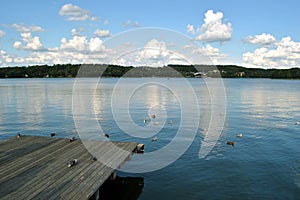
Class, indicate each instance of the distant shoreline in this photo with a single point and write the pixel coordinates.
(170, 71)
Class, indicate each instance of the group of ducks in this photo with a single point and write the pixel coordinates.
(156, 123)
(232, 143)
(241, 135)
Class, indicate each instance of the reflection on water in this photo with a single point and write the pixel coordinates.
(36, 107)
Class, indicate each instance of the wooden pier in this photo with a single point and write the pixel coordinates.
(33, 167)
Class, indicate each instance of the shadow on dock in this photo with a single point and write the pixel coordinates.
(129, 188)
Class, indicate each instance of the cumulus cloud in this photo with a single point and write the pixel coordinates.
(190, 29)
(207, 53)
(5, 58)
(28, 42)
(81, 44)
(2, 33)
(59, 57)
(102, 33)
(27, 29)
(158, 53)
(154, 49)
(283, 54)
(262, 39)
(77, 31)
(154, 54)
(213, 29)
(77, 49)
(75, 13)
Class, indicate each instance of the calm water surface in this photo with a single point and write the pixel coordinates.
(264, 164)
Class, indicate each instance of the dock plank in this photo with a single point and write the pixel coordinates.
(34, 167)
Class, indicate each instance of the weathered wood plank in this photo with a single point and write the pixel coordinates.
(54, 171)
(33, 167)
(27, 161)
(87, 174)
(17, 147)
(95, 181)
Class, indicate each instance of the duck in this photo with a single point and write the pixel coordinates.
(297, 123)
(153, 116)
(239, 135)
(145, 121)
(230, 143)
(52, 134)
(19, 135)
(170, 122)
(93, 158)
(154, 139)
(72, 163)
(106, 135)
(72, 139)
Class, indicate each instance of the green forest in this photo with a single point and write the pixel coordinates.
(97, 70)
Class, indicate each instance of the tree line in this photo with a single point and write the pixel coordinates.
(103, 70)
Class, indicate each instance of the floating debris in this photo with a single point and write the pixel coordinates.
(72, 139)
(230, 143)
(170, 122)
(52, 134)
(156, 123)
(72, 163)
(106, 135)
(239, 135)
(154, 139)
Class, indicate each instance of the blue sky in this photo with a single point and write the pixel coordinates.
(250, 33)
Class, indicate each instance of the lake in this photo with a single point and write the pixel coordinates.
(263, 164)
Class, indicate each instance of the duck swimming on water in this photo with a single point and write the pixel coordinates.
(230, 143)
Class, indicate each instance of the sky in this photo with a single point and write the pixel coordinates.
(260, 34)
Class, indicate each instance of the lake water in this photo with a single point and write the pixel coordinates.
(263, 164)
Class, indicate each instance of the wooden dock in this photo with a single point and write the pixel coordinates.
(33, 167)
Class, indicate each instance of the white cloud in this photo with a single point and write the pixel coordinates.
(207, 54)
(27, 29)
(77, 31)
(102, 33)
(263, 39)
(78, 49)
(130, 24)
(29, 42)
(284, 54)
(153, 54)
(190, 29)
(75, 13)
(81, 44)
(2, 33)
(5, 58)
(213, 29)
